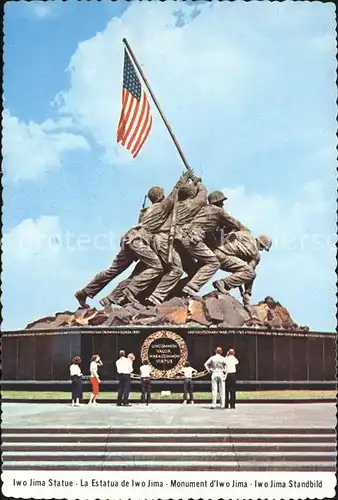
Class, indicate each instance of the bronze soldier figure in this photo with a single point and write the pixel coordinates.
(136, 245)
(208, 219)
(239, 255)
(191, 198)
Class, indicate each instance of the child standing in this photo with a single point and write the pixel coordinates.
(76, 378)
(94, 378)
(188, 372)
(145, 371)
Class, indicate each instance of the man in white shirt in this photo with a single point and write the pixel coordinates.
(124, 367)
(217, 367)
(230, 385)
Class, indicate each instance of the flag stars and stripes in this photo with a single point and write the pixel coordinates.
(135, 120)
(130, 79)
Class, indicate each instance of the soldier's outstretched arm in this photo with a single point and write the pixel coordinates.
(232, 222)
(254, 262)
(143, 211)
(169, 201)
(248, 288)
(202, 192)
(181, 181)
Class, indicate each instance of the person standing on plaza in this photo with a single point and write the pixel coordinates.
(230, 384)
(131, 358)
(94, 378)
(145, 371)
(76, 378)
(216, 365)
(188, 372)
(124, 367)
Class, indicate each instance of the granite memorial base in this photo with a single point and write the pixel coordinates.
(269, 359)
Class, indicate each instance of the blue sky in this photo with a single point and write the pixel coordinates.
(249, 89)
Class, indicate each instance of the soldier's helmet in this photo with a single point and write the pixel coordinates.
(155, 194)
(187, 191)
(265, 241)
(216, 196)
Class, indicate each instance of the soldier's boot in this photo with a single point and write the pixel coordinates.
(221, 287)
(81, 297)
(177, 290)
(189, 292)
(130, 296)
(153, 301)
(116, 296)
(105, 302)
(108, 301)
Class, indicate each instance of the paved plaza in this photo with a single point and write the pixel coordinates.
(37, 415)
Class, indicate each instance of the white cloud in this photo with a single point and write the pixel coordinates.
(299, 270)
(42, 10)
(44, 264)
(215, 73)
(178, 82)
(30, 149)
(38, 272)
(294, 222)
(32, 240)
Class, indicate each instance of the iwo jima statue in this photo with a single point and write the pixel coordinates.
(186, 233)
(177, 245)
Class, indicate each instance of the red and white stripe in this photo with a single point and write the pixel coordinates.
(135, 122)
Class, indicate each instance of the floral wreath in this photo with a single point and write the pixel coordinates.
(156, 373)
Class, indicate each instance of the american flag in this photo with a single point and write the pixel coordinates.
(135, 120)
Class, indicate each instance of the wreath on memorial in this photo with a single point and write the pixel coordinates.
(171, 373)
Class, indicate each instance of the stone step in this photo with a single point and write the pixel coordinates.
(85, 437)
(146, 446)
(168, 430)
(172, 466)
(170, 455)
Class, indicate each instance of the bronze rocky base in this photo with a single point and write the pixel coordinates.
(212, 310)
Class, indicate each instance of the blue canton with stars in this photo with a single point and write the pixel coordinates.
(131, 81)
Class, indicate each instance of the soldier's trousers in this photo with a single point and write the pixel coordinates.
(152, 266)
(117, 293)
(136, 249)
(173, 273)
(209, 264)
(218, 387)
(242, 272)
(122, 261)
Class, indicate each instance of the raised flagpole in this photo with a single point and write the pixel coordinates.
(172, 135)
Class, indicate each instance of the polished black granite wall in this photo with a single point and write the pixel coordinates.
(263, 355)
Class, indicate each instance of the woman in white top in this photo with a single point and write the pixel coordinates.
(94, 378)
(76, 378)
(188, 372)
